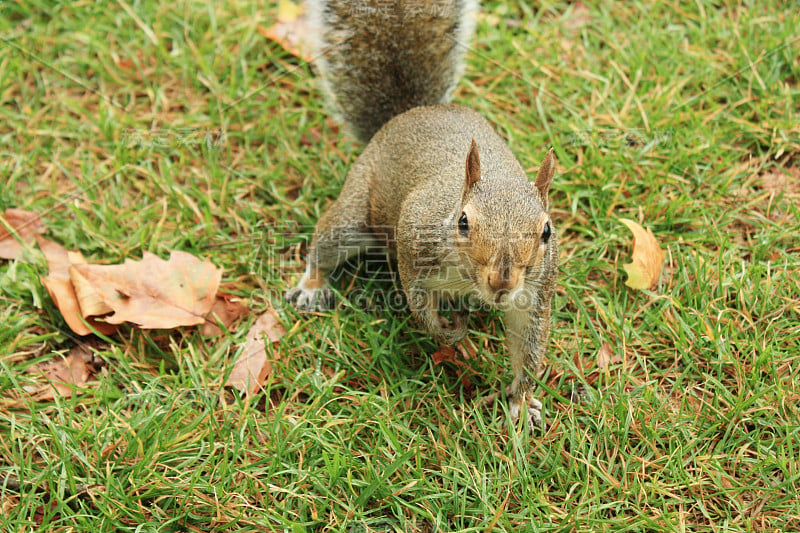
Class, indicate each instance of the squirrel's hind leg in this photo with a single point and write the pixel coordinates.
(312, 292)
(341, 233)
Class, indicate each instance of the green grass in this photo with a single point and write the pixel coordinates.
(670, 113)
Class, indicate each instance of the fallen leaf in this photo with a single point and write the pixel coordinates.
(90, 301)
(226, 310)
(289, 11)
(604, 355)
(779, 180)
(445, 354)
(18, 228)
(62, 291)
(66, 375)
(291, 31)
(154, 293)
(607, 356)
(580, 17)
(253, 366)
(648, 257)
(468, 349)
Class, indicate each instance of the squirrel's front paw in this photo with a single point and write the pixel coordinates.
(316, 299)
(446, 331)
(450, 332)
(534, 410)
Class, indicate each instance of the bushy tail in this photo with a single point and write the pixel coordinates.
(379, 58)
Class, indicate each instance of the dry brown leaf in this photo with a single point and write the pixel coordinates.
(226, 309)
(581, 17)
(781, 180)
(62, 291)
(18, 228)
(292, 30)
(66, 375)
(468, 349)
(648, 257)
(604, 355)
(154, 293)
(253, 366)
(607, 356)
(91, 302)
(445, 354)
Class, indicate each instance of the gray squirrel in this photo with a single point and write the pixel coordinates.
(435, 184)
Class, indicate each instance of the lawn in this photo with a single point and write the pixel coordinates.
(145, 126)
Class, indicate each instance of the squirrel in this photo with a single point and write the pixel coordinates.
(435, 184)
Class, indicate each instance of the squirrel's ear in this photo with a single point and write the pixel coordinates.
(473, 167)
(545, 176)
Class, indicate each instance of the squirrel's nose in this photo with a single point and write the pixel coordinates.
(499, 282)
(500, 286)
(503, 279)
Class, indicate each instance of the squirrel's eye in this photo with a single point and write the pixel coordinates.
(546, 232)
(463, 225)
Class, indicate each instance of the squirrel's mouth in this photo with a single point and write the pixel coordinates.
(498, 298)
(500, 295)
(509, 299)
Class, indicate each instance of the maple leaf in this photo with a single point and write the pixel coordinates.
(291, 31)
(62, 291)
(226, 309)
(66, 375)
(154, 293)
(18, 228)
(648, 257)
(253, 366)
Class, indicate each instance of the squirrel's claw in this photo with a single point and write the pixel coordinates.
(452, 331)
(534, 411)
(316, 299)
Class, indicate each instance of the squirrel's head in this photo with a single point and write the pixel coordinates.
(505, 234)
